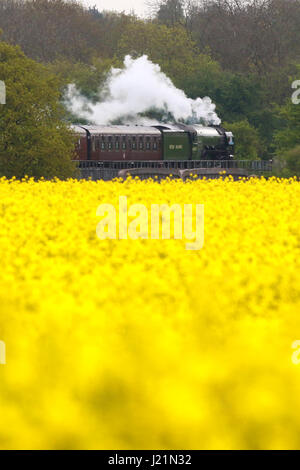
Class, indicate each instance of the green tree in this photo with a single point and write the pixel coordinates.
(289, 136)
(170, 12)
(247, 141)
(34, 139)
(292, 158)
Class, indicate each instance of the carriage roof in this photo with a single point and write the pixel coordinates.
(122, 130)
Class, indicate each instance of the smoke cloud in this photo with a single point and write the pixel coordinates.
(136, 89)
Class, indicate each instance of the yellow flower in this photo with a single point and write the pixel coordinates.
(141, 343)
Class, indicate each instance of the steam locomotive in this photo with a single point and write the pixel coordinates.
(150, 143)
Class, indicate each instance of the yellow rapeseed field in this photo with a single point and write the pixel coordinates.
(135, 344)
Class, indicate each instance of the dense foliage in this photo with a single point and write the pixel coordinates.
(244, 55)
(34, 140)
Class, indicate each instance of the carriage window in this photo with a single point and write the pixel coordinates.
(102, 144)
(93, 144)
(117, 143)
(124, 144)
(141, 144)
(97, 142)
(133, 143)
(109, 143)
(148, 143)
(155, 144)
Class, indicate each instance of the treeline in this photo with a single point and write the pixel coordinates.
(48, 30)
(243, 54)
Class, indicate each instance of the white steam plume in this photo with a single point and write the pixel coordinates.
(137, 88)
